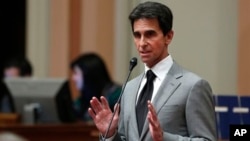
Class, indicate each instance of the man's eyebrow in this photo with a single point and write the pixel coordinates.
(136, 32)
(149, 30)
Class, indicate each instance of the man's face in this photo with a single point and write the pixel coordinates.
(150, 42)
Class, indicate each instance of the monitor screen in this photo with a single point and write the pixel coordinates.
(40, 100)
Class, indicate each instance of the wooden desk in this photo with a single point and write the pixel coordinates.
(57, 132)
(51, 132)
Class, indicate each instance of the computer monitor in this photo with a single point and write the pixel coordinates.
(40, 100)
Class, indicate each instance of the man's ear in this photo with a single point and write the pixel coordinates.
(169, 36)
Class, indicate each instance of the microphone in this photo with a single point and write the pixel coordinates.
(133, 63)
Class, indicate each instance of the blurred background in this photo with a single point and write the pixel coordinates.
(211, 37)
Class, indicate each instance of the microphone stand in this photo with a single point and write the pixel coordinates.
(133, 63)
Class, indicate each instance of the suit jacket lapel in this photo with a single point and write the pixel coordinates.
(169, 85)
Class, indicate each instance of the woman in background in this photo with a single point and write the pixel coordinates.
(92, 79)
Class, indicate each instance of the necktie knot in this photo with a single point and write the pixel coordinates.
(150, 75)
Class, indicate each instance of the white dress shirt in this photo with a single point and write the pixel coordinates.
(160, 70)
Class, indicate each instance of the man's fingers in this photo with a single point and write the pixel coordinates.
(91, 113)
(105, 103)
(152, 110)
(95, 104)
(152, 116)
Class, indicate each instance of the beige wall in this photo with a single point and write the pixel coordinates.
(38, 36)
(205, 41)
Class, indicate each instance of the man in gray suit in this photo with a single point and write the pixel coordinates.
(181, 107)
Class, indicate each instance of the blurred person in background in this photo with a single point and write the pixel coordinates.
(13, 68)
(17, 67)
(91, 78)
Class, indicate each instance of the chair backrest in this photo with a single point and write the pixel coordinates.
(231, 110)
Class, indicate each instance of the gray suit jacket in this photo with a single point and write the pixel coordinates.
(184, 106)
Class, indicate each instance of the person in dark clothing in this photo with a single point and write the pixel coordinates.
(13, 67)
(17, 67)
(6, 101)
(92, 79)
(64, 104)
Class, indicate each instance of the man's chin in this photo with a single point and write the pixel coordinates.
(146, 61)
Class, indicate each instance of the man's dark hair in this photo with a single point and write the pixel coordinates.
(21, 63)
(153, 10)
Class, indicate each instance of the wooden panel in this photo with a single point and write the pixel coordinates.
(59, 39)
(105, 35)
(58, 132)
(74, 29)
(244, 48)
(97, 30)
(9, 118)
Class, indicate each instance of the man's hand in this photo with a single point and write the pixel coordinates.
(154, 124)
(102, 114)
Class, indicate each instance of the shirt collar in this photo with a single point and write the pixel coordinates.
(162, 67)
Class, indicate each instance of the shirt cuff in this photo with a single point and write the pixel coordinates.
(110, 138)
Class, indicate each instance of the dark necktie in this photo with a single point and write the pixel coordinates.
(145, 95)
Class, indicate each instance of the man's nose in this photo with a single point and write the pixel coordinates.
(142, 41)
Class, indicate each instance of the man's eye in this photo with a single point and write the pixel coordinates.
(150, 33)
(137, 35)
